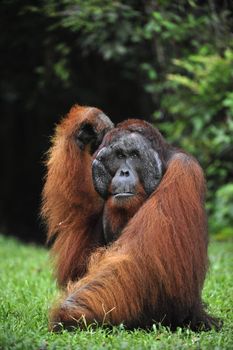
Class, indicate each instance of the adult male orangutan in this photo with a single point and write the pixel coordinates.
(126, 211)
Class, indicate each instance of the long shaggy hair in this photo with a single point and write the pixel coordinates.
(155, 270)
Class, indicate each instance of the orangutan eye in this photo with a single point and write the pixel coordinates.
(120, 154)
(134, 154)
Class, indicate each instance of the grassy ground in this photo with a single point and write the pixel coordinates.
(27, 289)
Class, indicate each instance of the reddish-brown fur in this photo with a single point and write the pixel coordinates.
(118, 215)
(155, 270)
(71, 206)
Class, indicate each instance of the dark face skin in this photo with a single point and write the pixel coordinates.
(123, 172)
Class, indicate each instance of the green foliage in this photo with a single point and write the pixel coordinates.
(27, 290)
(199, 99)
(179, 55)
(221, 219)
(183, 54)
(193, 92)
(105, 27)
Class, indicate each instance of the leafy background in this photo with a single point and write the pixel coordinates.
(170, 62)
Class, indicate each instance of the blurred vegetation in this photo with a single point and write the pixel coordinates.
(168, 61)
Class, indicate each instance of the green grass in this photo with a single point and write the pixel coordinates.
(27, 291)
